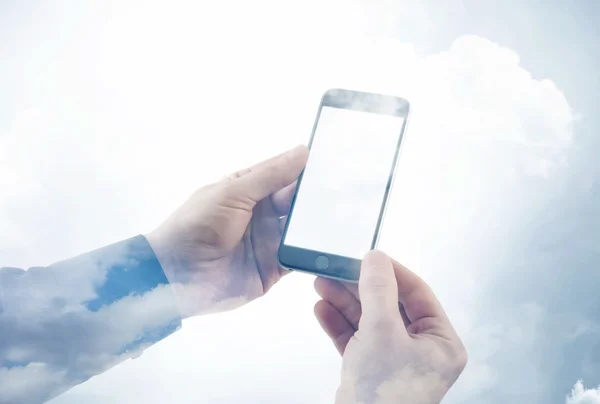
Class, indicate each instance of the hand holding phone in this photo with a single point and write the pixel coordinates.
(341, 196)
(397, 342)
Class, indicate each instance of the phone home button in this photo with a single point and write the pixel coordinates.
(322, 262)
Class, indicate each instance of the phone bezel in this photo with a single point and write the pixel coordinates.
(340, 267)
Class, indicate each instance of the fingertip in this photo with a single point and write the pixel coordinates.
(297, 155)
(324, 311)
(301, 151)
(274, 174)
(316, 281)
(320, 307)
(376, 267)
(376, 258)
(322, 286)
(293, 163)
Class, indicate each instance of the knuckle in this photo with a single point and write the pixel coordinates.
(226, 191)
(456, 360)
(226, 195)
(211, 191)
(461, 359)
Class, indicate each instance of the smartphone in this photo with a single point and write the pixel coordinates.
(341, 196)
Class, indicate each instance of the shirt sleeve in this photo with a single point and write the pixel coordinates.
(62, 324)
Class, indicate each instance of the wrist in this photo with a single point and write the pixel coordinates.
(388, 392)
(191, 289)
(163, 252)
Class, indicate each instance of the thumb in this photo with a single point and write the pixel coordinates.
(378, 289)
(273, 174)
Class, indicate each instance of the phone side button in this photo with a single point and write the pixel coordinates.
(322, 262)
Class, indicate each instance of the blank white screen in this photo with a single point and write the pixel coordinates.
(343, 186)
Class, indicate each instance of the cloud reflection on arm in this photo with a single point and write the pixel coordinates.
(63, 324)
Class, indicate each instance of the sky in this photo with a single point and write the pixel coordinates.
(112, 114)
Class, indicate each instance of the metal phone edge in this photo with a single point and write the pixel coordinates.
(382, 217)
(319, 275)
(394, 172)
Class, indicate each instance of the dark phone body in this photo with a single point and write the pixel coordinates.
(324, 263)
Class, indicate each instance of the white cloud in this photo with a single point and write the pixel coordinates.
(142, 115)
(581, 395)
(36, 379)
(489, 342)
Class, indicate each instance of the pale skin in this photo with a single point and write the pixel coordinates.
(397, 343)
(219, 251)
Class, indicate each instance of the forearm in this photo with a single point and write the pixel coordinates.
(63, 324)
